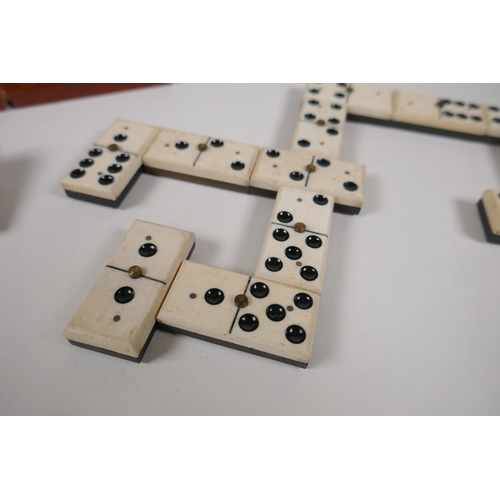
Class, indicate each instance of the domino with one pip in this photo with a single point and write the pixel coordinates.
(118, 315)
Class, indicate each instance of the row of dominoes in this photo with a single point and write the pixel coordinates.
(110, 166)
(272, 313)
(328, 105)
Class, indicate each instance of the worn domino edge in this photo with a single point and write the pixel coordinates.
(337, 207)
(490, 236)
(237, 347)
(103, 201)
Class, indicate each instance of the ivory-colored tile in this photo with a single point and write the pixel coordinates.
(317, 139)
(323, 112)
(334, 92)
(158, 250)
(104, 323)
(491, 203)
(102, 173)
(274, 320)
(295, 247)
(119, 312)
(202, 156)
(492, 120)
(445, 114)
(130, 137)
(315, 173)
(373, 101)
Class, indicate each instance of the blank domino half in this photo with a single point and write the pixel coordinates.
(200, 158)
(315, 173)
(109, 169)
(250, 314)
(489, 211)
(118, 315)
(373, 101)
(296, 243)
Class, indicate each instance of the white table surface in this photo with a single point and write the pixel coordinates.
(409, 321)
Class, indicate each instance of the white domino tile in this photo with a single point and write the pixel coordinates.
(491, 204)
(316, 173)
(118, 314)
(445, 114)
(334, 92)
(317, 139)
(202, 156)
(102, 173)
(295, 247)
(373, 101)
(323, 112)
(130, 137)
(277, 320)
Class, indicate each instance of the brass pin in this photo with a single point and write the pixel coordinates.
(300, 227)
(241, 300)
(113, 147)
(310, 168)
(350, 89)
(320, 122)
(202, 147)
(135, 272)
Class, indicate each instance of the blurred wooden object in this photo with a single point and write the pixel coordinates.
(28, 94)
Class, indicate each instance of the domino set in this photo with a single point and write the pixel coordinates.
(150, 281)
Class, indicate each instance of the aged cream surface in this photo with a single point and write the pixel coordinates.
(101, 321)
(138, 136)
(333, 92)
(493, 120)
(491, 202)
(202, 156)
(429, 111)
(343, 180)
(330, 112)
(171, 244)
(321, 139)
(185, 307)
(370, 100)
(89, 183)
(317, 220)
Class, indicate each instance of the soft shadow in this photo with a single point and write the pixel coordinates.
(324, 348)
(372, 201)
(141, 190)
(495, 152)
(162, 344)
(285, 133)
(470, 220)
(12, 178)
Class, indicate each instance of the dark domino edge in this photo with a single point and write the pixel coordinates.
(197, 180)
(249, 350)
(420, 128)
(116, 354)
(341, 209)
(101, 201)
(490, 237)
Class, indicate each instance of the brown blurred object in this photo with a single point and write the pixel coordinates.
(3, 99)
(27, 94)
